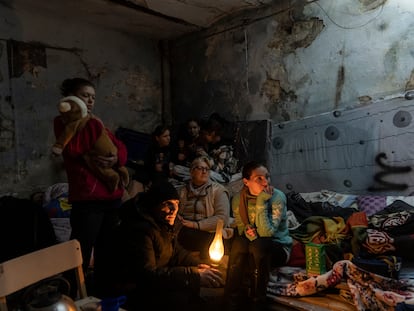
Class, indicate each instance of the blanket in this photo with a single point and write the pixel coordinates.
(368, 291)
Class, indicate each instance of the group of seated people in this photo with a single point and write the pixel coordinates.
(144, 244)
(170, 152)
(158, 253)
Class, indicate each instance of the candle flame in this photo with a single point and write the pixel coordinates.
(216, 250)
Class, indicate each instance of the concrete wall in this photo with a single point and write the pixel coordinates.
(296, 59)
(37, 51)
(297, 63)
(363, 150)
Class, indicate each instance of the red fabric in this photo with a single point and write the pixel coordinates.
(297, 255)
(358, 219)
(83, 185)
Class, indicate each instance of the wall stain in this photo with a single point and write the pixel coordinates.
(7, 133)
(25, 57)
(383, 26)
(365, 100)
(339, 85)
(280, 100)
(391, 59)
(291, 35)
(410, 83)
(292, 32)
(271, 89)
(369, 5)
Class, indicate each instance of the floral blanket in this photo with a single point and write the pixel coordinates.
(368, 291)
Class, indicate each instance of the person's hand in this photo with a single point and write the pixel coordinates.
(268, 189)
(203, 266)
(106, 161)
(250, 232)
(264, 196)
(210, 277)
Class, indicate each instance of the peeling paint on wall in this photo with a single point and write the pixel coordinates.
(271, 88)
(368, 5)
(410, 83)
(25, 57)
(291, 35)
(6, 133)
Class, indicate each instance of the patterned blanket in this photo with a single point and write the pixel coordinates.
(367, 291)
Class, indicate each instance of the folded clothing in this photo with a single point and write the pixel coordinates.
(388, 266)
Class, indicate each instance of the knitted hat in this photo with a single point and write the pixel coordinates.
(160, 192)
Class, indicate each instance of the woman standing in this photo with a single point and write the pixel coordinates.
(94, 206)
(263, 238)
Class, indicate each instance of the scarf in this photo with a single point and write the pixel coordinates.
(243, 205)
(199, 191)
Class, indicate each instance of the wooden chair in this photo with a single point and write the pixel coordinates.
(20, 272)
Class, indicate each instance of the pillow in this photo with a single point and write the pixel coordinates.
(371, 204)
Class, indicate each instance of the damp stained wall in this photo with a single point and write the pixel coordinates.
(297, 63)
(37, 51)
(295, 59)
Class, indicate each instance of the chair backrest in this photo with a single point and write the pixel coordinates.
(20, 272)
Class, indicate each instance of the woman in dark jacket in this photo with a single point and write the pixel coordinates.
(144, 260)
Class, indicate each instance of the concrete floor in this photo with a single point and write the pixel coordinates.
(214, 300)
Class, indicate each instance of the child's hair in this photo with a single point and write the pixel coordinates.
(249, 167)
(160, 129)
(71, 86)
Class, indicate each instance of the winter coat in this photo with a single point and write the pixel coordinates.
(206, 207)
(144, 259)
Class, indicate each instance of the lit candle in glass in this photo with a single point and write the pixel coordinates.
(216, 250)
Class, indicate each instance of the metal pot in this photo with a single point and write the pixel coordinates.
(47, 296)
(62, 303)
